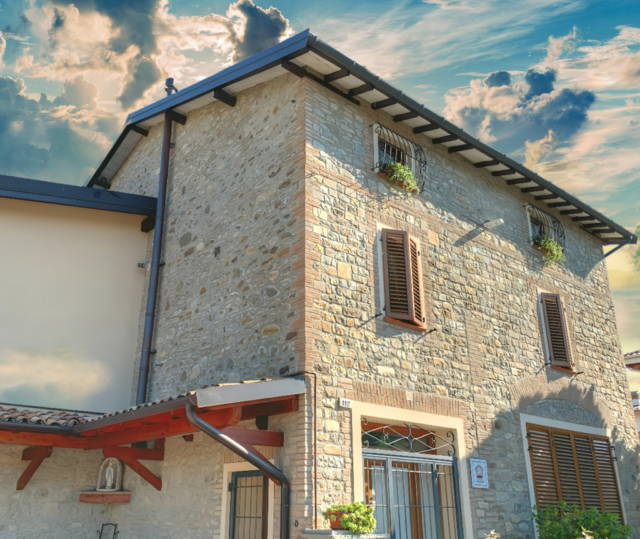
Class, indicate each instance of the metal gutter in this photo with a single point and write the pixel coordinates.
(40, 429)
(382, 86)
(74, 195)
(264, 466)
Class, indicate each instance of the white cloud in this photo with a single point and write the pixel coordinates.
(50, 376)
(537, 149)
(3, 48)
(408, 39)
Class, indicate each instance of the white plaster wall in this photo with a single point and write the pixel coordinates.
(70, 296)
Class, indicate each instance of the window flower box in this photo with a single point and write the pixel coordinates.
(400, 175)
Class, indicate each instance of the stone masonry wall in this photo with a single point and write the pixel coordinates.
(481, 294)
(227, 306)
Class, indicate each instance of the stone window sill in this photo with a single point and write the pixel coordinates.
(566, 370)
(404, 324)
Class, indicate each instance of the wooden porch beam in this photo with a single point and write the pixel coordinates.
(360, 90)
(36, 455)
(384, 103)
(36, 438)
(405, 116)
(131, 455)
(447, 138)
(225, 97)
(460, 148)
(505, 172)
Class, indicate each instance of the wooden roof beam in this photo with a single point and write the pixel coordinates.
(337, 75)
(571, 212)
(447, 138)
(517, 181)
(405, 116)
(547, 197)
(361, 90)
(225, 97)
(460, 148)
(384, 103)
(140, 130)
(425, 128)
(505, 172)
(559, 204)
(583, 218)
(490, 163)
(533, 189)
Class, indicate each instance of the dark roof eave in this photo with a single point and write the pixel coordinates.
(37, 428)
(74, 195)
(364, 74)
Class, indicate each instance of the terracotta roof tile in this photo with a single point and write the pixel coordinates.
(42, 417)
(635, 352)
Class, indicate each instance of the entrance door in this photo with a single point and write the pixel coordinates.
(413, 496)
(249, 505)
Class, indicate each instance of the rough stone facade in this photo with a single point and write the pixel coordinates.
(272, 268)
(481, 294)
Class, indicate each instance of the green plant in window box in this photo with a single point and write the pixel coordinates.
(400, 175)
(571, 522)
(355, 517)
(552, 250)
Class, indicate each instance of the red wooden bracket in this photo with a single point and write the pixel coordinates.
(130, 456)
(36, 455)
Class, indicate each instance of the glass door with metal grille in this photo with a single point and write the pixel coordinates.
(249, 505)
(413, 497)
(413, 488)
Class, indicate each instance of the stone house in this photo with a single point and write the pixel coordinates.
(418, 352)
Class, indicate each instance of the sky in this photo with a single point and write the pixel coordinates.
(555, 84)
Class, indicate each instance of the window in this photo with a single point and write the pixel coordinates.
(573, 467)
(249, 507)
(402, 272)
(413, 490)
(390, 147)
(555, 328)
(541, 224)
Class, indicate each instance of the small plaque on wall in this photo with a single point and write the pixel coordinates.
(479, 474)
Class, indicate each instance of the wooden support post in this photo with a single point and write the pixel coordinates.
(36, 455)
(130, 456)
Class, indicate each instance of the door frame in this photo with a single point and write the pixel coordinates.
(390, 414)
(228, 469)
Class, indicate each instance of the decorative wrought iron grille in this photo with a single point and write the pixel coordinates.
(543, 224)
(394, 148)
(407, 438)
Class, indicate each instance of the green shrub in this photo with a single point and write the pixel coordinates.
(555, 253)
(401, 174)
(564, 522)
(357, 517)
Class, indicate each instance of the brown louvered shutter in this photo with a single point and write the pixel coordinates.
(544, 474)
(402, 277)
(556, 330)
(573, 467)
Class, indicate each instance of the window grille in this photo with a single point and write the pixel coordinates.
(407, 438)
(543, 224)
(249, 505)
(390, 147)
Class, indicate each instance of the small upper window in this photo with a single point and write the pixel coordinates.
(542, 225)
(390, 147)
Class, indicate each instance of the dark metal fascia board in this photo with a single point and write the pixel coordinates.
(74, 195)
(384, 87)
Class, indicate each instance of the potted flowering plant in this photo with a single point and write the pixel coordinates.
(400, 175)
(551, 249)
(355, 517)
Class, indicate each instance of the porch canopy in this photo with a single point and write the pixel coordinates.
(222, 406)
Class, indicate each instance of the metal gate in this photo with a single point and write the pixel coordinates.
(413, 496)
(249, 505)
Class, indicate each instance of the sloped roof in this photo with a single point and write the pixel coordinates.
(306, 56)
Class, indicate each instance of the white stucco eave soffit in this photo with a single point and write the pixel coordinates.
(305, 55)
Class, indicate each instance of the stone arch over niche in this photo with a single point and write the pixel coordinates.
(535, 389)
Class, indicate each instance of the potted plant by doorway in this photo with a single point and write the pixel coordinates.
(400, 175)
(355, 517)
(551, 249)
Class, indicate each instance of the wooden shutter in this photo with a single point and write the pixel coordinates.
(556, 330)
(402, 277)
(573, 467)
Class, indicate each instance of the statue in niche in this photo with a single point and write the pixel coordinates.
(110, 475)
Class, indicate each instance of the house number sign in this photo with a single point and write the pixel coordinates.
(479, 475)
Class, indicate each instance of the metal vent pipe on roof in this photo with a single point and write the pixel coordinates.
(158, 233)
(265, 467)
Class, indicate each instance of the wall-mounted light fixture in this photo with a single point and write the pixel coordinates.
(493, 223)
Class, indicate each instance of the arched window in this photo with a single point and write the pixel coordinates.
(543, 225)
